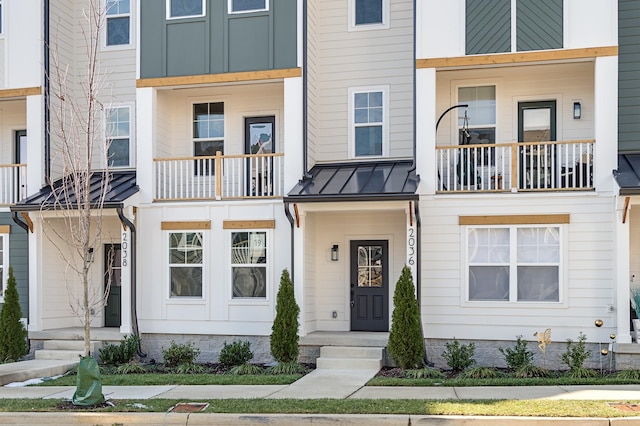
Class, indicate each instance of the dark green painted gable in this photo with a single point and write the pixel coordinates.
(628, 76)
(19, 259)
(218, 42)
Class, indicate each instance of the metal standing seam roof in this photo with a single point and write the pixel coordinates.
(362, 181)
(122, 185)
(628, 173)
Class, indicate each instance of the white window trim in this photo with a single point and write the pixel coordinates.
(132, 132)
(513, 302)
(253, 301)
(185, 299)
(5, 264)
(368, 27)
(191, 138)
(3, 12)
(132, 33)
(232, 12)
(457, 84)
(169, 17)
(385, 121)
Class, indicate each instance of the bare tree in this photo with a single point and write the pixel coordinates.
(78, 100)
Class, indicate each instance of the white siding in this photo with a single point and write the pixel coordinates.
(21, 55)
(12, 118)
(588, 264)
(341, 59)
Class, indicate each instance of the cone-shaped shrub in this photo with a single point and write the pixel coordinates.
(284, 332)
(13, 344)
(406, 344)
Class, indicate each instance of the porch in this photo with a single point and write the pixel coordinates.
(516, 167)
(13, 183)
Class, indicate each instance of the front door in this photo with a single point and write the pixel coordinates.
(259, 135)
(112, 271)
(537, 123)
(369, 285)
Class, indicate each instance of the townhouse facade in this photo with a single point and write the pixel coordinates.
(473, 141)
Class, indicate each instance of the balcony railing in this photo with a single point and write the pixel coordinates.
(13, 183)
(219, 177)
(515, 167)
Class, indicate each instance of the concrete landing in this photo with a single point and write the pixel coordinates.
(32, 369)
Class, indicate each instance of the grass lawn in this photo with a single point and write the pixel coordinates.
(180, 379)
(538, 408)
(502, 381)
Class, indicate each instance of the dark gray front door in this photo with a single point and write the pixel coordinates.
(537, 123)
(369, 285)
(112, 266)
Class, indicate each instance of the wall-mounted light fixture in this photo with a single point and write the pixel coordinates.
(334, 253)
(90, 255)
(577, 111)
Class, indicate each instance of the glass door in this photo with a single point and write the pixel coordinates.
(259, 137)
(538, 163)
(112, 271)
(20, 158)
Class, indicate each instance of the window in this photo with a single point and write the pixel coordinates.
(185, 8)
(480, 121)
(1, 18)
(368, 121)
(514, 264)
(208, 135)
(368, 14)
(4, 263)
(244, 6)
(249, 264)
(185, 264)
(118, 131)
(118, 22)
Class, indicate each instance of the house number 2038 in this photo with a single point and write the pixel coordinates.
(411, 246)
(124, 249)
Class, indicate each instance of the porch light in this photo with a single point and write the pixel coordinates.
(90, 255)
(577, 110)
(334, 253)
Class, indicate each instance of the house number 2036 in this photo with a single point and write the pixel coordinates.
(411, 246)
(124, 249)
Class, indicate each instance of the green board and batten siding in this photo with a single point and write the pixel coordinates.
(19, 259)
(218, 42)
(628, 76)
(539, 26)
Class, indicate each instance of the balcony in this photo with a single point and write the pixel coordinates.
(13, 183)
(516, 167)
(220, 177)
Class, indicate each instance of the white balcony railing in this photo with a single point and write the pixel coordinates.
(512, 167)
(219, 177)
(13, 183)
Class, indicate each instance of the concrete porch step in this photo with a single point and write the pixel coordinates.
(59, 354)
(350, 358)
(350, 352)
(75, 345)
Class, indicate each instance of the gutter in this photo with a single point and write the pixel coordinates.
(134, 312)
(415, 57)
(354, 197)
(20, 222)
(47, 97)
(305, 96)
(292, 222)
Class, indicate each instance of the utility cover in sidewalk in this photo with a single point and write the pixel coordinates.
(188, 407)
(624, 406)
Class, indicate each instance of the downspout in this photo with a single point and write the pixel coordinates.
(134, 312)
(416, 204)
(292, 222)
(305, 96)
(415, 54)
(20, 223)
(47, 98)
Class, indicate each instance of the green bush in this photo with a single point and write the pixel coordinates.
(480, 373)
(424, 373)
(13, 343)
(246, 369)
(189, 368)
(123, 353)
(459, 357)
(287, 368)
(179, 354)
(131, 368)
(237, 353)
(518, 357)
(629, 375)
(531, 370)
(284, 332)
(576, 354)
(406, 344)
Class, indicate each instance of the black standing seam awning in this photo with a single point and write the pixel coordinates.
(122, 185)
(362, 181)
(628, 173)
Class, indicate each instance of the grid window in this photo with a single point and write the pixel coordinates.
(118, 22)
(185, 264)
(368, 122)
(118, 131)
(208, 135)
(249, 264)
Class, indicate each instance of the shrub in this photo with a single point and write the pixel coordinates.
(633, 375)
(480, 373)
(189, 368)
(531, 370)
(246, 369)
(406, 344)
(237, 353)
(284, 332)
(123, 353)
(13, 343)
(178, 354)
(287, 368)
(576, 354)
(459, 357)
(424, 373)
(518, 357)
(131, 368)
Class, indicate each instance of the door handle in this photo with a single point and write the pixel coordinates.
(353, 302)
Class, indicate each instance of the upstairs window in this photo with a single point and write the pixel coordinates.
(245, 6)
(481, 115)
(368, 14)
(185, 8)
(208, 135)
(118, 22)
(118, 132)
(368, 114)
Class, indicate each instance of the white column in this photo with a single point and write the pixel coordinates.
(35, 145)
(622, 274)
(146, 102)
(36, 289)
(426, 129)
(298, 261)
(605, 121)
(292, 132)
(126, 252)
